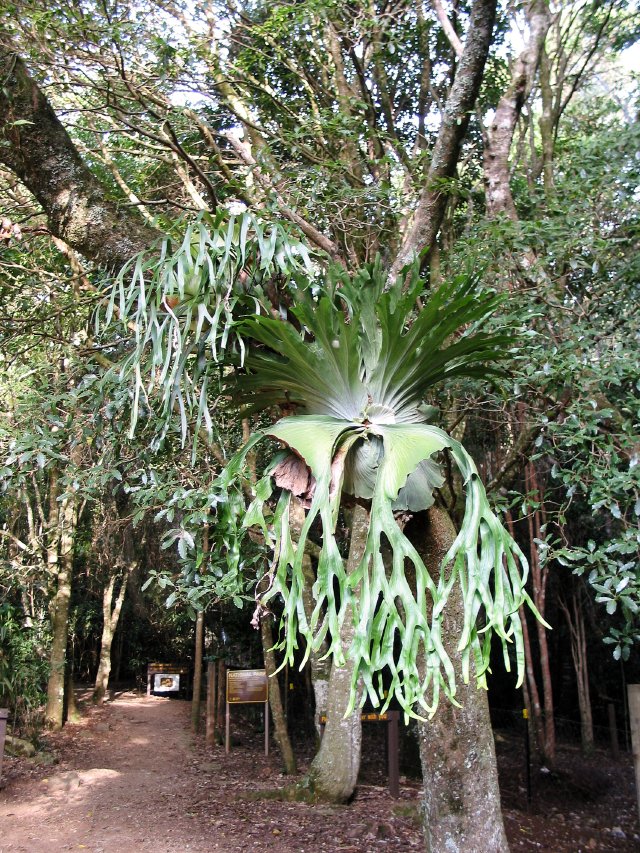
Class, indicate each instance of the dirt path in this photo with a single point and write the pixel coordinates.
(132, 778)
(122, 778)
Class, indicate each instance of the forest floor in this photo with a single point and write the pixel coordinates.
(130, 776)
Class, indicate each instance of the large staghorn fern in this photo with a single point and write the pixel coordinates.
(358, 369)
(356, 360)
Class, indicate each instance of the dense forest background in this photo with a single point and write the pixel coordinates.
(331, 130)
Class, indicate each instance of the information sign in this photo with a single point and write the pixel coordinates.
(247, 685)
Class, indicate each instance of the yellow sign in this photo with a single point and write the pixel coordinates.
(366, 718)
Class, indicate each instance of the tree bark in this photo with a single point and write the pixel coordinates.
(72, 714)
(499, 135)
(275, 699)
(539, 581)
(546, 123)
(197, 673)
(110, 618)
(63, 540)
(575, 620)
(458, 108)
(37, 148)
(334, 771)
(462, 811)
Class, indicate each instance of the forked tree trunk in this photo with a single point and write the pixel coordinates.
(110, 617)
(462, 812)
(60, 556)
(459, 106)
(333, 774)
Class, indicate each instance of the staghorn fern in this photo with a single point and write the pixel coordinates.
(357, 361)
(358, 369)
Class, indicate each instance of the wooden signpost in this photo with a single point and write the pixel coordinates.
(245, 686)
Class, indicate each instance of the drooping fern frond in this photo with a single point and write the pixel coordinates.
(178, 306)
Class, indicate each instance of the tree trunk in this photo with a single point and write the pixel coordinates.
(110, 618)
(533, 694)
(320, 666)
(37, 148)
(63, 539)
(197, 673)
(499, 135)
(72, 714)
(446, 151)
(575, 620)
(333, 774)
(275, 699)
(462, 811)
(546, 123)
(539, 579)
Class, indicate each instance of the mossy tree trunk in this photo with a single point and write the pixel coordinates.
(462, 812)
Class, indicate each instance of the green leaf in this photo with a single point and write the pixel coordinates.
(405, 447)
(312, 437)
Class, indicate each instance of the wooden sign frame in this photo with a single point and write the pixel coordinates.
(244, 687)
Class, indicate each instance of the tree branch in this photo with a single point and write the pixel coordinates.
(464, 91)
(40, 152)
